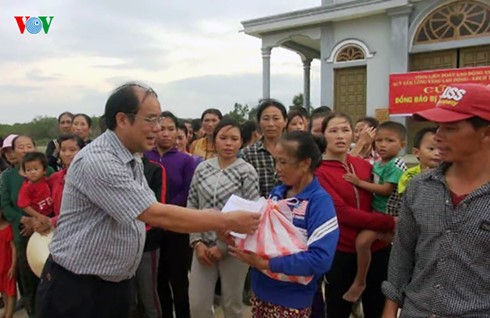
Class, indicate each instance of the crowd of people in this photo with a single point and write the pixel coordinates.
(137, 233)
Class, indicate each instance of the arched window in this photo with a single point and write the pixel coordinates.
(455, 21)
(350, 53)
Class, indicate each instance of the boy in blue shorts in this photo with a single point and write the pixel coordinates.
(389, 141)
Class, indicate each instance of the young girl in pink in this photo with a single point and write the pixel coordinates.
(7, 267)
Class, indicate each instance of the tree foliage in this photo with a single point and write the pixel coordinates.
(240, 112)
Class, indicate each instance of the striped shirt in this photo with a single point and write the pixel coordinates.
(105, 191)
(264, 164)
(440, 261)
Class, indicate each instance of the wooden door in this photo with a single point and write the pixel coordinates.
(350, 91)
(474, 56)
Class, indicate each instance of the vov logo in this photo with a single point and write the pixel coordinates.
(33, 25)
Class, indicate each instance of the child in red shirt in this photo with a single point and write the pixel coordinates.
(35, 194)
(7, 267)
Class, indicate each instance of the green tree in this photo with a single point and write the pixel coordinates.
(252, 115)
(298, 100)
(239, 112)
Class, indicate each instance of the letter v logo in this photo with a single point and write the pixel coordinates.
(46, 25)
(21, 23)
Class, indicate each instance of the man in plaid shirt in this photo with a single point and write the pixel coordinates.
(440, 264)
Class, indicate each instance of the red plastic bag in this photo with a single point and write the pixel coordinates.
(276, 236)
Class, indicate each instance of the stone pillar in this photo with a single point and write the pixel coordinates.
(399, 39)
(266, 72)
(399, 58)
(306, 84)
(326, 70)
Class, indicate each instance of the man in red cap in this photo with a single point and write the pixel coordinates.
(440, 261)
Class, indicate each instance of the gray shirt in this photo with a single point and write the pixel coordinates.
(105, 191)
(440, 263)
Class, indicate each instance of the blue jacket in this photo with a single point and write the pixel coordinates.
(314, 215)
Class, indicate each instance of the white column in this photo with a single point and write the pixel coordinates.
(266, 72)
(306, 83)
(327, 43)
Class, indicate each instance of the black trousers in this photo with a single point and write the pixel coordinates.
(342, 275)
(63, 294)
(173, 270)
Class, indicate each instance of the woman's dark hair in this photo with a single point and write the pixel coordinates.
(335, 115)
(87, 118)
(212, 111)
(265, 103)
(124, 100)
(293, 114)
(321, 142)
(14, 141)
(321, 110)
(169, 115)
(248, 128)
(226, 121)
(370, 121)
(65, 114)
(307, 147)
(78, 140)
(181, 125)
(35, 156)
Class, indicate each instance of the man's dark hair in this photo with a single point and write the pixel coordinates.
(265, 103)
(370, 121)
(395, 127)
(171, 116)
(307, 147)
(65, 114)
(213, 111)
(35, 156)
(417, 140)
(124, 100)
(478, 122)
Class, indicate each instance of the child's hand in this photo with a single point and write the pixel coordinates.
(352, 178)
(42, 227)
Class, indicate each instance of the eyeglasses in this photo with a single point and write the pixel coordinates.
(152, 120)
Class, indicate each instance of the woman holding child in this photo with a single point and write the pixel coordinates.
(354, 212)
(22, 226)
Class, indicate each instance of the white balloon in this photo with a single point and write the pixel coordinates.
(37, 251)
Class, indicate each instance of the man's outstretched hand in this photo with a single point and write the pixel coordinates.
(242, 222)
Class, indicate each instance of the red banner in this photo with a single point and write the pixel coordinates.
(416, 91)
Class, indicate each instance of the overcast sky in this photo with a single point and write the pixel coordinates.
(191, 52)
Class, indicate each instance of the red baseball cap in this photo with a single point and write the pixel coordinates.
(459, 102)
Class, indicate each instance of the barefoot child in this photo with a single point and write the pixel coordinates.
(7, 267)
(389, 140)
(35, 194)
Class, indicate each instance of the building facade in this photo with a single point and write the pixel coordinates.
(361, 42)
